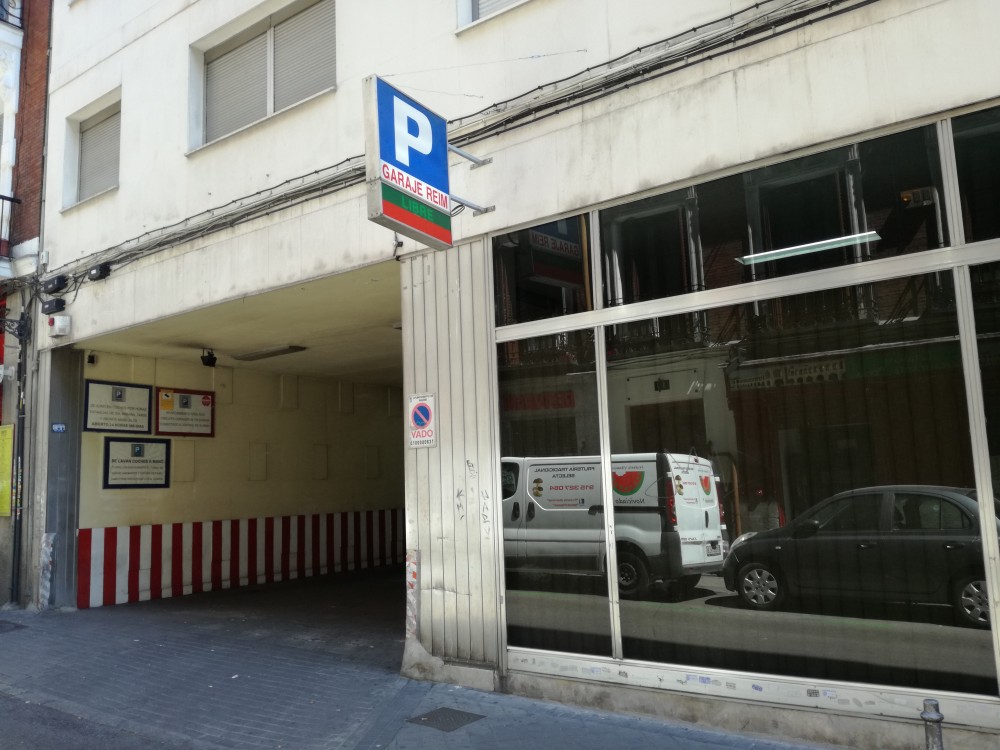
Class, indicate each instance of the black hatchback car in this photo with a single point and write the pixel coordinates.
(901, 543)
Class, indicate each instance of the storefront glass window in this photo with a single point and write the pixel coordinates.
(986, 296)
(977, 151)
(873, 199)
(542, 272)
(831, 453)
(557, 592)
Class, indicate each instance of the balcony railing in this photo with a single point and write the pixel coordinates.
(10, 12)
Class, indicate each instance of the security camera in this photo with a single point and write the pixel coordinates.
(208, 358)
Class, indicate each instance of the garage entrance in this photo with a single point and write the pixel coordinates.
(244, 443)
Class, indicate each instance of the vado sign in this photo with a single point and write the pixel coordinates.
(406, 167)
(421, 429)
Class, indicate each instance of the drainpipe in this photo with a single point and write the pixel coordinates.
(24, 335)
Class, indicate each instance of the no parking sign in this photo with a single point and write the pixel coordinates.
(420, 428)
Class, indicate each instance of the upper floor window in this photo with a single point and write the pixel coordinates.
(100, 146)
(283, 60)
(481, 8)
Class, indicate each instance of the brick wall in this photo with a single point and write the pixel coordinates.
(29, 127)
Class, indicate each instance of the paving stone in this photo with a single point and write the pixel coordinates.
(306, 665)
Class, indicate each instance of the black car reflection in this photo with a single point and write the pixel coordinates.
(909, 543)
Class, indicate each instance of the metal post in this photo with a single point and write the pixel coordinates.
(932, 724)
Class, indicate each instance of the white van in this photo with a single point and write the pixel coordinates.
(668, 522)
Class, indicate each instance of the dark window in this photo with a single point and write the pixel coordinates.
(542, 272)
(508, 479)
(646, 249)
(852, 513)
(977, 152)
(917, 512)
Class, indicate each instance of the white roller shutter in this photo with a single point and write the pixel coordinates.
(100, 145)
(482, 8)
(236, 88)
(305, 55)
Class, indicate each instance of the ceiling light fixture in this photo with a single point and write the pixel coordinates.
(274, 351)
(812, 247)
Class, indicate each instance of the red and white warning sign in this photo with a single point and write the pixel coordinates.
(420, 428)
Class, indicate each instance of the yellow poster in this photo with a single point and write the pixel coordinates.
(6, 467)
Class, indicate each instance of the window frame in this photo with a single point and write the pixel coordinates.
(81, 121)
(229, 39)
(958, 259)
(466, 12)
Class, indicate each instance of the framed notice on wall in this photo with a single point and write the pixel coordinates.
(118, 407)
(139, 463)
(180, 411)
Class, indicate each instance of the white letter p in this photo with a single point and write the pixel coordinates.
(422, 141)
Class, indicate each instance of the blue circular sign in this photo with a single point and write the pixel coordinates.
(421, 415)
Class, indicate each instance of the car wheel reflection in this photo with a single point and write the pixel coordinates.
(760, 587)
(971, 602)
(633, 577)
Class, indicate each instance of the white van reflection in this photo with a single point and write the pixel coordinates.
(668, 525)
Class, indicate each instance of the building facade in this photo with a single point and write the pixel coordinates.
(760, 237)
(24, 37)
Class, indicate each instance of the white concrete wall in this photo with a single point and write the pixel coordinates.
(892, 61)
(149, 51)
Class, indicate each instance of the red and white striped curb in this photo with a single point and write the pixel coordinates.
(123, 564)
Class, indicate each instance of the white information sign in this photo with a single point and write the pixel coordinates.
(136, 463)
(180, 411)
(421, 427)
(118, 407)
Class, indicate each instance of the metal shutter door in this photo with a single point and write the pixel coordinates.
(236, 88)
(305, 54)
(482, 8)
(99, 151)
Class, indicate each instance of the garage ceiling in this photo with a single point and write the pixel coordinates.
(348, 324)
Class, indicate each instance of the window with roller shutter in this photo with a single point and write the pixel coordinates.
(100, 145)
(483, 8)
(283, 61)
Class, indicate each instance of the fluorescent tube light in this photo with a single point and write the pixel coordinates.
(275, 351)
(812, 247)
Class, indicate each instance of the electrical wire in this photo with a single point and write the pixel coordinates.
(642, 64)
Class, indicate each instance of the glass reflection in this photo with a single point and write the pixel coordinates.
(977, 155)
(542, 272)
(873, 199)
(551, 481)
(834, 429)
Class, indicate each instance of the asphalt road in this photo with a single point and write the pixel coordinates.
(31, 726)
(905, 645)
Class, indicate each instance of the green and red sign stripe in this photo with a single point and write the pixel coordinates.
(424, 218)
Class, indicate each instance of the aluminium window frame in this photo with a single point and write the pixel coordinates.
(204, 58)
(956, 259)
(466, 17)
(76, 124)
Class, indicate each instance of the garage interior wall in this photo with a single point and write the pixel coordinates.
(302, 477)
(330, 446)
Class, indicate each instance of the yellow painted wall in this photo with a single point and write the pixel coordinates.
(283, 445)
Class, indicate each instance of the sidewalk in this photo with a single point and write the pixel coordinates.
(301, 665)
